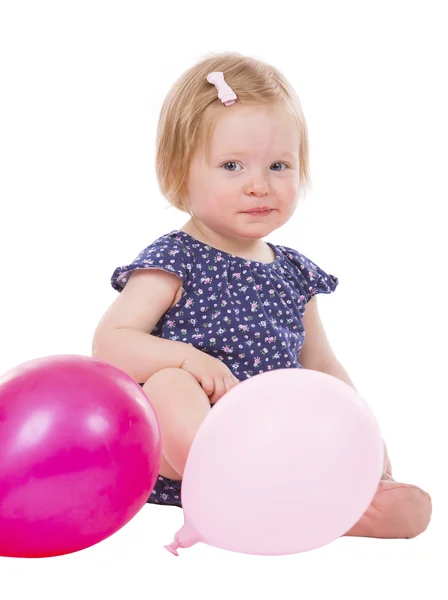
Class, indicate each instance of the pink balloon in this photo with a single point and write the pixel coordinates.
(80, 451)
(287, 461)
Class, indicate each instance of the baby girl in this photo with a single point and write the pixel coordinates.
(210, 304)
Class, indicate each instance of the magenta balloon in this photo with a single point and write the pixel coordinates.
(80, 451)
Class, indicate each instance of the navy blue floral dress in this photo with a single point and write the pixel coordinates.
(245, 313)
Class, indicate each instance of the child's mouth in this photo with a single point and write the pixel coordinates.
(260, 213)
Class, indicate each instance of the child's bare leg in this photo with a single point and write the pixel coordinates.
(181, 405)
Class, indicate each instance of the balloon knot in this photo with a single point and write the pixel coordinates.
(173, 548)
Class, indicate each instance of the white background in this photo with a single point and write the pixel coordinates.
(82, 84)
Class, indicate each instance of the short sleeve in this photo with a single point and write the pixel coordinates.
(311, 278)
(165, 254)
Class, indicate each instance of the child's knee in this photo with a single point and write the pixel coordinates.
(172, 379)
(175, 393)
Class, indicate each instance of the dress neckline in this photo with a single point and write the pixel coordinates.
(278, 255)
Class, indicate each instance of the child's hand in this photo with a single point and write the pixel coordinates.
(214, 376)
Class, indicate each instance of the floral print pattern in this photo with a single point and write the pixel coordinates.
(245, 313)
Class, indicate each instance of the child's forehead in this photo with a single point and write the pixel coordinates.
(241, 129)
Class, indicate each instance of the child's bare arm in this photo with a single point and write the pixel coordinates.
(123, 337)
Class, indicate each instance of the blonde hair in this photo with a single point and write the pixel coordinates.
(183, 116)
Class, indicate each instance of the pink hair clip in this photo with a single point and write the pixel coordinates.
(225, 92)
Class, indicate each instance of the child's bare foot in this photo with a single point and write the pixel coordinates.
(398, 510)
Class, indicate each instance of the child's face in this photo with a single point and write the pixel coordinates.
(253, 162)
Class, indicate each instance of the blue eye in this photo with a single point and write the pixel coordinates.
(281, 163)
(229, 163)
